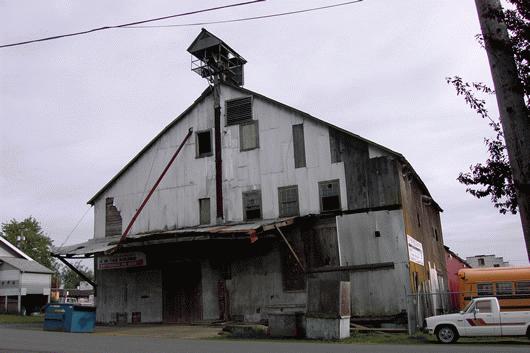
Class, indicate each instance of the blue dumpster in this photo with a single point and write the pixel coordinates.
(69, 318)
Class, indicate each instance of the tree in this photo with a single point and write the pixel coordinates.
(28, 236)
(504, 176)
(70, 279)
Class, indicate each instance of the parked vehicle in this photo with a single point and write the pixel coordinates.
(482, 317)
(511, 285)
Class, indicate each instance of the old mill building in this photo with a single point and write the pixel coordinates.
(261, 197)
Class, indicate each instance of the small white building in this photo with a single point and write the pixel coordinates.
(24, 283)
(486, 261)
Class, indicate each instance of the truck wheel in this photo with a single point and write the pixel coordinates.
(446, 334)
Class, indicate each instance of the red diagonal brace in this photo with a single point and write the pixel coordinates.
(144, 202)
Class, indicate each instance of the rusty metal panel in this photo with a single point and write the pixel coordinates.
(299, 146)
(113, 221)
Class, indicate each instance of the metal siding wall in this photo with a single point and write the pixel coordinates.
(121, 291)
(376, 292)
(268, 167)
(256, 287)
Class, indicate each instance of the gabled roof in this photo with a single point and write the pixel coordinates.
(207, 91)
(13, 248)
(205, 40)
(25, 265)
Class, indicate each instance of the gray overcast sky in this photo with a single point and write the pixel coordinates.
(73, 111)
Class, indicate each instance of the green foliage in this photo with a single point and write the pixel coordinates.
(28, 236)
(494, 178)
(70, 279)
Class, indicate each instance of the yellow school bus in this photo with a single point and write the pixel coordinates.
(511, 286)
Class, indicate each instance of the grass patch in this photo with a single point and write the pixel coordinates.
(19, 319)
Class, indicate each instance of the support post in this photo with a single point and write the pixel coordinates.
(19, 301)
(79, 273)
(290, 248)
(5, 303)
(514, 115)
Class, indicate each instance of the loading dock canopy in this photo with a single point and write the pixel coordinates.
(227, 231)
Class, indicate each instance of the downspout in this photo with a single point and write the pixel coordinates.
(218, 157)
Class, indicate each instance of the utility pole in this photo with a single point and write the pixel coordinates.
(514, 115)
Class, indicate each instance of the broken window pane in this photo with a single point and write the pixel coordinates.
(252, 205)
(329, 192)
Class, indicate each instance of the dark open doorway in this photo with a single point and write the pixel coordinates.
(182, 301)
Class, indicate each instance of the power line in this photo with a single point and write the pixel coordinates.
(248, 18)
(75, 227)
(129, 24)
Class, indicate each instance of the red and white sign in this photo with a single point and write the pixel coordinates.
(123, 260)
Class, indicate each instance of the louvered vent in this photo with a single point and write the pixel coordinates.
(238, 110)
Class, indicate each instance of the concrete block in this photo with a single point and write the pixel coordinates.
(285, 324)
(327, 329)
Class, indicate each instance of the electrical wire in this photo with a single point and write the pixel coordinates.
(248, 18)
(75, 227)
(129, 24)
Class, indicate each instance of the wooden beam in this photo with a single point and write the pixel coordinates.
(354, 268)
(290, 248)
(79, 273)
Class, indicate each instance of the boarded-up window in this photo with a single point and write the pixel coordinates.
(238, 110)
(321, 244)
(288, 201)
(112, 218)
(329, 192)
(299, 146)
(248, 135)
(204, 143)
(252, 205)
(204, 209)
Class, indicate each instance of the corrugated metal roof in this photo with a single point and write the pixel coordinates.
(25, 265)
(234, 230)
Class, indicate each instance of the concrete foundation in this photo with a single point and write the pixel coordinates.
(328, 329)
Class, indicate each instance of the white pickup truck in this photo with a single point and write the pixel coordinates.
(481, 317)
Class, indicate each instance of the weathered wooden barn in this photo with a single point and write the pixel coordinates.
(250, 210)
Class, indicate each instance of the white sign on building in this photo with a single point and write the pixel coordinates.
(415, 250)
(123, 260)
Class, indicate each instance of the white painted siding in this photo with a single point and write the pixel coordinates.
(175, 204)
(5, 252)
(35, 283)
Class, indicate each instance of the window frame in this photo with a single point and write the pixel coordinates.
(285, 188)
(209, 211)
(241, 121)
(241, 126)
(244, 198)
(518, 290)
(203, 155)
(320, 196)
(503, 292)
(490, 293)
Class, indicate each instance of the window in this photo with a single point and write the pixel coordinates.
(288, 201)
(252, 205)
(484, 289)
(299, 146)
(522, 287)
(204, 143)
(484, 306)
(204, 211)
(503, 288)
(238, 110)
(249, 135)
(481, 262)
(329, 193)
